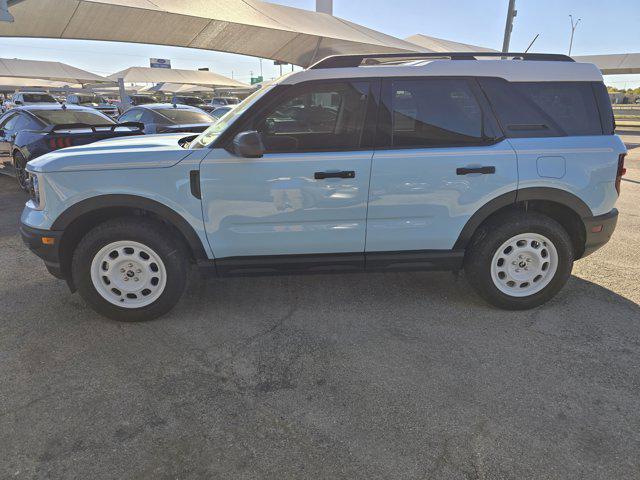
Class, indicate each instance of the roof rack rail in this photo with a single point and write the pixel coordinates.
(355, 60)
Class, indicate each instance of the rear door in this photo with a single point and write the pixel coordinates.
(308, 193)
(439, 159)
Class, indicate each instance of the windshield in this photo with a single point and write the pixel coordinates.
(38, 98)
(210, 134)
(184, 117)
(59, 117)
(91, 100)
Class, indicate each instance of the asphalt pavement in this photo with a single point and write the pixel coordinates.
(378, 376)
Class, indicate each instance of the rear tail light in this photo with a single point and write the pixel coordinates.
(60, 142)
(621, 171)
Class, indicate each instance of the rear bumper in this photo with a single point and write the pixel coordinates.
(599, 230)
(49, 253)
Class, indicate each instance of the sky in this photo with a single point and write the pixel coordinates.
(606, 27)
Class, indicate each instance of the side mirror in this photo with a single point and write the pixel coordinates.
(18, 102)
(248, 144)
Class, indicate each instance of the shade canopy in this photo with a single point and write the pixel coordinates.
(614, 64)
(177, 76)
(434, 44)
(177, 88)
(10, 83)
(53, 71)
(248, 27)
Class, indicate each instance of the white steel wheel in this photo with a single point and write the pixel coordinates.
(524, 265)
(128, 274)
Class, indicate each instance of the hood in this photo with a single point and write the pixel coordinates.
(122, 153)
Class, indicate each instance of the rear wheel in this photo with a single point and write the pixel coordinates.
(519, 260)
(130, 270)
(20, 166)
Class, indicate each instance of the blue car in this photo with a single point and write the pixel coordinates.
(506, 168)
(31, 131)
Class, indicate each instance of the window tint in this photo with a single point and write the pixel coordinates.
(24, 123)
(133, 115)
(433, 112)
(9, 122)
(572, 105)
(543, 109)
(38, 98)
(59, 117)
(320, 117)
(182, 117)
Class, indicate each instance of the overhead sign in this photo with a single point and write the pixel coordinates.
(160, 63)
(258, 79)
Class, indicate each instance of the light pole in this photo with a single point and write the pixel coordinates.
(573, 30)
(508, 28)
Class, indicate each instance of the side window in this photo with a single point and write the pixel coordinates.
(434, 112)
(8, 122)
(24, 123)
(543, 109)
(317, 117)
(133, 115)
(572, 105)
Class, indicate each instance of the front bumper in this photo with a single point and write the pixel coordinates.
(48, 252)
(599, 230)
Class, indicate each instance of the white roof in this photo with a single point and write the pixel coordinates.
(434, 44)
(248, 27)
(614, 64)
(54, 71)
(175, 75)
(512, 70)
(12, 83)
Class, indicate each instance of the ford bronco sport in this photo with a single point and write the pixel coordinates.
(508, 169)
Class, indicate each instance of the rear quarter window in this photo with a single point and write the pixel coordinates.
(572, 105)
(544, 109)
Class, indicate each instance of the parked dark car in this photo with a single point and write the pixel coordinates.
(134, 101)
(168, 118)
(31, 131)
(193, 101)
(94, 101)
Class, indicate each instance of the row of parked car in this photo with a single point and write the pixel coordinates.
(36, 123)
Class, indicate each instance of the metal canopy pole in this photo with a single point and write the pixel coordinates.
(509, 25)
(5, 16)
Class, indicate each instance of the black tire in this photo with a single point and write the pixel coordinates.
(20, 165)
(491, 236)
(152, 234)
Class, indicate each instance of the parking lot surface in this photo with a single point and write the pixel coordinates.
(379, 376)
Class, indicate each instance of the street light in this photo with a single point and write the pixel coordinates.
(573, 30)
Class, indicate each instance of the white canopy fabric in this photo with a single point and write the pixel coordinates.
(177, 88)
(11, 82)
(434, 44)
(248, 27)
(176, 76)
(53, 71)
(614, 64)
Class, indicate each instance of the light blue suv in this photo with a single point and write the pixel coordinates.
(507, 168)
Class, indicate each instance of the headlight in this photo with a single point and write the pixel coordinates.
(35, 191)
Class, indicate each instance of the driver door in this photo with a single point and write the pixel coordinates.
(308, 194)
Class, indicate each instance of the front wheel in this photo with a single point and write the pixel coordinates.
(519, 260)
(130, 270)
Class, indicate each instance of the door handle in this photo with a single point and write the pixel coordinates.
(469, 170)
(343, 174)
